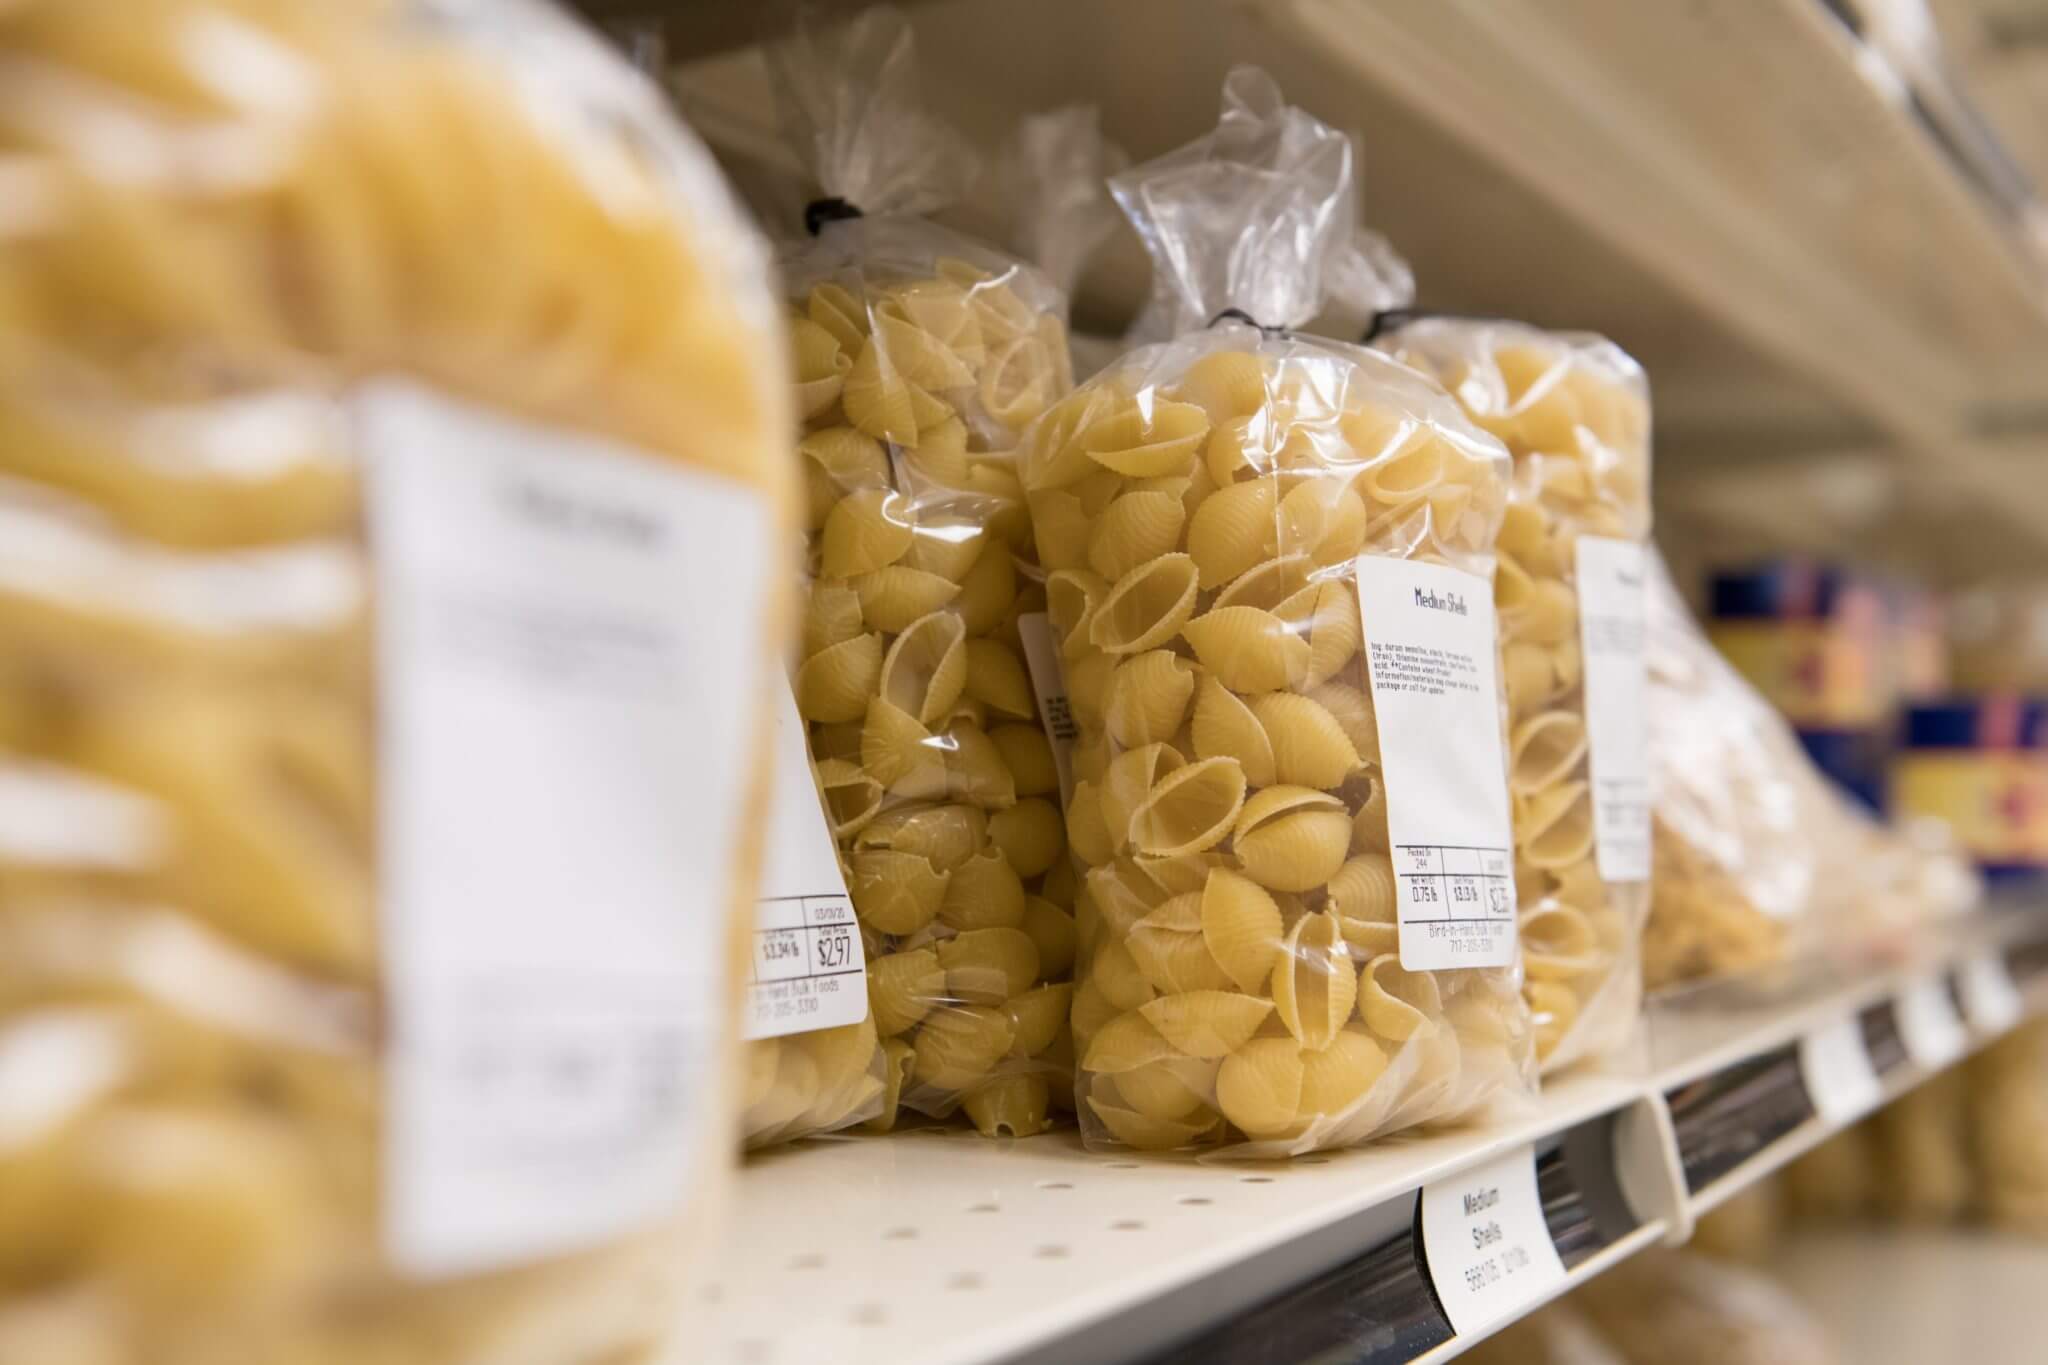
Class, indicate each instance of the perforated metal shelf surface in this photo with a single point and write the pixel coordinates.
(936, 1247)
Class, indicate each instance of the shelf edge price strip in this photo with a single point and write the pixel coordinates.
(1991, 1002)
(1928, 1023)
(1840, 1078)
(1486, 1243)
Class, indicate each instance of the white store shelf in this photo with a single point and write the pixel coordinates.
(936, 1247)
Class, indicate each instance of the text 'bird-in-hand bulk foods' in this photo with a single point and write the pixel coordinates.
(393, 487)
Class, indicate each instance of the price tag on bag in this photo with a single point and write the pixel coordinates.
(809, 971)
(1839, 1076)
(1488, 1248)
(1928, 1023)
(1991, 1002)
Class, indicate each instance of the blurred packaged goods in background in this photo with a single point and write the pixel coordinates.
(1815, 640)
(1979, 766)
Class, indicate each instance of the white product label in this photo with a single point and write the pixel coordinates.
(1990, 1000)
(1835, 1064)
(1611, 639)
(566, 635)
(1489, 1251)
(1928, 1023)
(1049, 681)
(1431, 651)
(809, 972)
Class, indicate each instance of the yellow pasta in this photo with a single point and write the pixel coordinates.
(1204, 503)
(1573, 412)
(1145, 608)
(1314, 987)
(1258, 1087)
(261, 236)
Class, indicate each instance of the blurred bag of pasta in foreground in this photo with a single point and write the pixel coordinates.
(1574, 411)
(1297, 920)
(920, 357)
(393, 483)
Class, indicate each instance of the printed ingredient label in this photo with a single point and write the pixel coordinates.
(808, 968)
(1928, 1023)
(1990, 1000)
(1432, 655)
(1489, 1251)
(1839, 1076)
(1611, 643)
(566, 629)
(1049, 681)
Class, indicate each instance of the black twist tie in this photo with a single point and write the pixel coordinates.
(1239, 315)
(1394, 319)
(833, 209)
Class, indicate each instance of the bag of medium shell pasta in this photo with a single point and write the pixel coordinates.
(1574, 412)
(393, 488)
(920, 357)
(1269, 564)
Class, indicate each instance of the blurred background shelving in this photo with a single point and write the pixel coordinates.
(1815, 221)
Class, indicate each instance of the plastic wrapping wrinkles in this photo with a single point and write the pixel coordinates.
(1052, 179)
(1574, 411)
(1199, 507)
(920, 356)
(1757, 857)
(223, 220)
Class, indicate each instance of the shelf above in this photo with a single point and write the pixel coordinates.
(1808, 236)
(935, 1247)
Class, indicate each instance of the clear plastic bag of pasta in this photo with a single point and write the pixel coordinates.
(392, 451)
(1759, 859)
(1740, 818)
(920, 357)
(1574, 412)
(1208, 511)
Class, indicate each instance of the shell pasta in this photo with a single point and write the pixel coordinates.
(1201, 510)
(918, 358)
(1574, 412)
(1238, 978)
